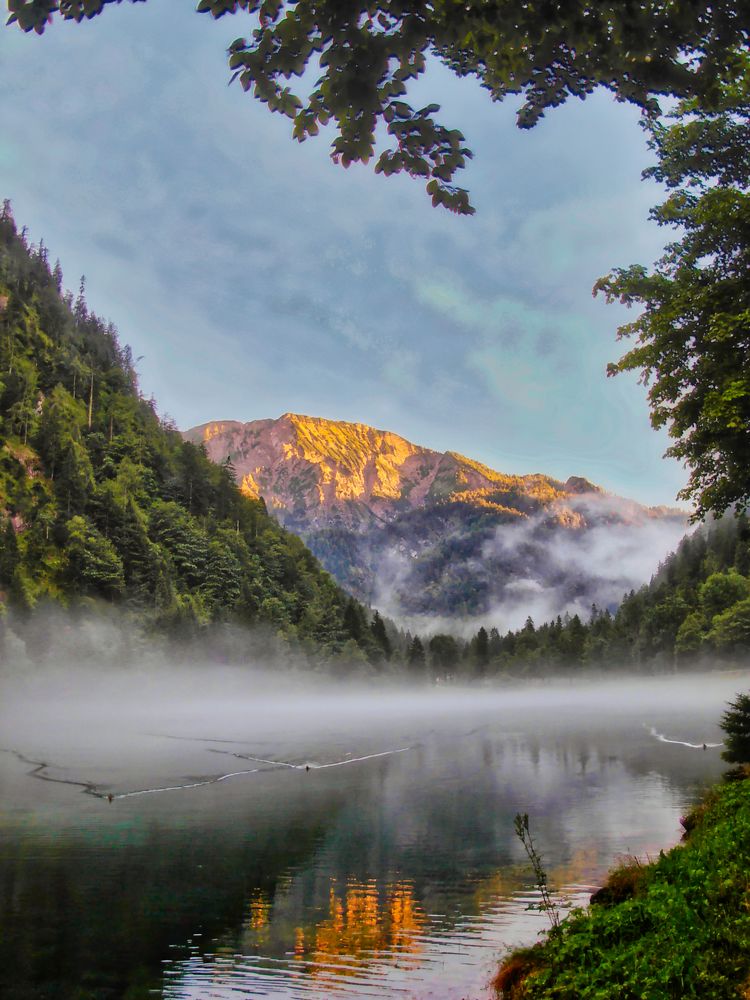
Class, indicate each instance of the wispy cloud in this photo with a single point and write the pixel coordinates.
(586, 549)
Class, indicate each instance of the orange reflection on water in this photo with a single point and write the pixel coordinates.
(258, 917)
(362, 922)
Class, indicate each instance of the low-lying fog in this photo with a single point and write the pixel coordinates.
(128, 730)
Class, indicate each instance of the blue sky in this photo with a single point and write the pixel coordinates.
(255, 277)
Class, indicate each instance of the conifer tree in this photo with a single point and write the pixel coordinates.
(416, 654)
(9, 555)
(736, 726)
(354, 623)
(481, 650)
(94, 566)
(380, 636)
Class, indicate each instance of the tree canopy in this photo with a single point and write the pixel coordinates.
(354, 61)
(693, 337)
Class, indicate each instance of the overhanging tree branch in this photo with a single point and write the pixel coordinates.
(367, 52)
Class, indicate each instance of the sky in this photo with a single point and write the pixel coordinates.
(253, 277)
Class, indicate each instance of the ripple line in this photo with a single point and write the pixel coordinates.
(683, 743)
(188, 784)
(309, 765)
(39, 767)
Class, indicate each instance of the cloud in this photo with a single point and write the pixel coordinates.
(516, 383)
(589, 549)
(401, 369)
(604, 560)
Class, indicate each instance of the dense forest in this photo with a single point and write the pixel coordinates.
(103, 504)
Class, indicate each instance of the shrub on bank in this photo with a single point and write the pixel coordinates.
(682, 928)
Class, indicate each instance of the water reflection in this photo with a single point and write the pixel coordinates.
(395, 875)
(376, 940)
(361, 923)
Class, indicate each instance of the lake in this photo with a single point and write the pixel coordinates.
(217, 835)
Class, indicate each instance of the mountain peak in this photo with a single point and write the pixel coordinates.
(577, 484)
(311, 467)
(409, 528)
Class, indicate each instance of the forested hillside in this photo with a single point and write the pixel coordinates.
(100, 499)
(696, 607)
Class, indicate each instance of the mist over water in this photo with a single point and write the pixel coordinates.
(207, 831)
(127, 717)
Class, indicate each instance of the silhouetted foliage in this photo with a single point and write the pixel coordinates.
(736, 726)
(355, 61)
(692, 341)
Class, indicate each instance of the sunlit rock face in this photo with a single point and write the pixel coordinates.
(313, 468)
(421, 532)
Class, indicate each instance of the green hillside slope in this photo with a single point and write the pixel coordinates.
(100, 499)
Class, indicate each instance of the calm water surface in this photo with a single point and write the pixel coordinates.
(322, 844)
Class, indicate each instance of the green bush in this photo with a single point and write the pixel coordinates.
(683, 933)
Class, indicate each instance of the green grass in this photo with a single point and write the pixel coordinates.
(684, 931)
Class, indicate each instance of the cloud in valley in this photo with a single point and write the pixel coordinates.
(532, 567)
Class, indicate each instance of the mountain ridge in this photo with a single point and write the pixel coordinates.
(412, 529)
(390, 450)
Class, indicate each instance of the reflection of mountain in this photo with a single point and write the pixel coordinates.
(427, 532)
(362, 921)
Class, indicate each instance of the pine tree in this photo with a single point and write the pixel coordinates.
(222, 586)
(80, 309)
(354, 623)
(481, 651)
(416, 654)
(75, 480)
(736, 725)
(380, 636)
(93, 564)
(9, 555)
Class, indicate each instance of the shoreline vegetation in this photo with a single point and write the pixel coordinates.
(674, 927)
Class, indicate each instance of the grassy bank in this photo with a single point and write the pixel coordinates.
(678, 927)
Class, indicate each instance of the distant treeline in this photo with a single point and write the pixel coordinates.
(697, 607)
